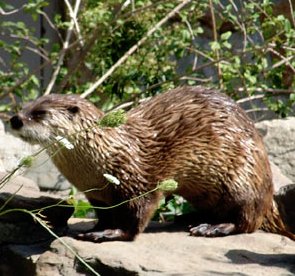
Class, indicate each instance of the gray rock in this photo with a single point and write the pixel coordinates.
(278, 178)
(163, 253)
(278, 136)
(2, 168)
(43, 172)
(46, 175)
(19, 195)
(15, 184)
(2, 128)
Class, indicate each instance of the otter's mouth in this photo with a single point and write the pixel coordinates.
(32, 136)
(28, 139)
(18, 134)
(25, 138)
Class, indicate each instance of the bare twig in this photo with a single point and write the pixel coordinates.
(51, 24)
(73, 15)
(201, 53)
(63, 51)
(38, 52)
(292, 13)
(283, 46)
(28, 39)
(2, 12)
(128, 104)
(284, 60)
(80, 57)
(258, 109)
(250, 98)
(195, 62)
(215, 38)
(134, 48)
(276, 91)
(144, 8)
(242, 27)
(241, 24)
(196, 79)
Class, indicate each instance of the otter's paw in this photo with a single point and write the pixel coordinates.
(106, 235)
(217, 230)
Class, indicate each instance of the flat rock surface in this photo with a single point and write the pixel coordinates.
(177, 253)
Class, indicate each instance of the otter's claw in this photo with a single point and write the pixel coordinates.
(103, 236)
(208, 230)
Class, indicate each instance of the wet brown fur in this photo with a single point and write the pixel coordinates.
(197, 136)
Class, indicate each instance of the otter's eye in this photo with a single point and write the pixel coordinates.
(38, 114)
(73, 109)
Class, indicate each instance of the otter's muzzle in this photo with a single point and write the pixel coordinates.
(16, 122)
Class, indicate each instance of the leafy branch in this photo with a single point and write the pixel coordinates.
(92, 88)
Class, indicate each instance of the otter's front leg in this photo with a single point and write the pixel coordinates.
(124, 222)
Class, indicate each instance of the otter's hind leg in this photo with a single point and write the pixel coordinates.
(211, 224)
(232, 219)
(126, 221)
(215, 230)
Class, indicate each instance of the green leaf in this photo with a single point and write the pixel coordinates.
(113, 119)
(226, 36)
(82, 209)
(292, 97)
(215, 46)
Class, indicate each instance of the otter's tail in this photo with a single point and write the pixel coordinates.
(274, 223)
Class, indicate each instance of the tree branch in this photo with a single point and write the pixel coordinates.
(73, 15)
(64, 49)
(215, 38)
(92, 88)
(292, 13)
(2, 12)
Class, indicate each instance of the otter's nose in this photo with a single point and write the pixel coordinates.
(16, 122)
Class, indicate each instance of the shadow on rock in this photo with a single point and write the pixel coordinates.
(286, 261)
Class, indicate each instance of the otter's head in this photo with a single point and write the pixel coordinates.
(48, 117)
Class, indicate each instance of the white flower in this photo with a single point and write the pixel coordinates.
(65, 142)
(112, 179)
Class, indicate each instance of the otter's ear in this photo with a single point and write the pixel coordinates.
(73, 109)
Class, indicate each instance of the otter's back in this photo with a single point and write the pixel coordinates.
(206, 140)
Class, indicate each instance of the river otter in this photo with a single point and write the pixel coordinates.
(196, 136)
